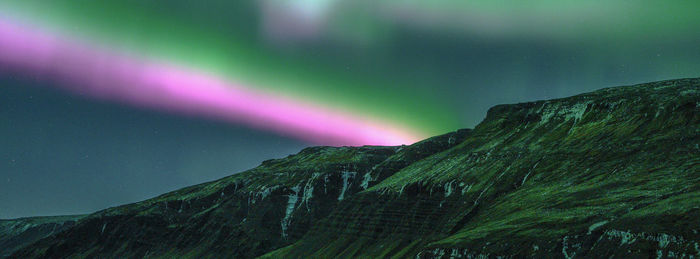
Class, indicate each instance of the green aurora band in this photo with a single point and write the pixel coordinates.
(205, 44)
(223, 38)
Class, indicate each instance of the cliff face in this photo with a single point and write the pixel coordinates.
(614, 172)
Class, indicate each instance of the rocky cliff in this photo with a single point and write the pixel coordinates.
(612, 173)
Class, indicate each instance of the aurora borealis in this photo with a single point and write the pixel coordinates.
(108, 75)
(289, 74)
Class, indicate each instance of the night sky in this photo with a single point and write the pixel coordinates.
(67, 148)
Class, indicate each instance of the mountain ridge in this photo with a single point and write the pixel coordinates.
(554, 178)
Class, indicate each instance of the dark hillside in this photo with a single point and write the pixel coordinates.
(611, 173)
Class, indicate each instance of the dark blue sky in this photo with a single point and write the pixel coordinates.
(62, 154)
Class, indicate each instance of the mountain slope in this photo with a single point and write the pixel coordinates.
(244, 215)
(611, 173)
(615, 172)
(16, 233)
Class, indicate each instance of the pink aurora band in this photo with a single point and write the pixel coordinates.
(90, 70)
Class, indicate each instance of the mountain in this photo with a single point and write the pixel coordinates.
(16, 233)
(611, 173)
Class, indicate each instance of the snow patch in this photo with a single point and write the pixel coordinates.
(448, 188)
(664, 240)
(466, 188)
(481, 194)
(325, 183)
(346, 182)
(565, 247)
(308, 193)
(547, 113)
(627, 237)
(596, 225)
(525, 178)
(451, 140)
(453, 253)
(402, 187)
(365, 181)
(528, 173)
(291, 204)
(576, 111)
(265, 192)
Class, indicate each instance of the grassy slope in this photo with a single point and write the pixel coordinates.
(613, 172)
(243, 215)
(16, 233)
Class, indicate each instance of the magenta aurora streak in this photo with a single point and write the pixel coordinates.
(103, 73)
